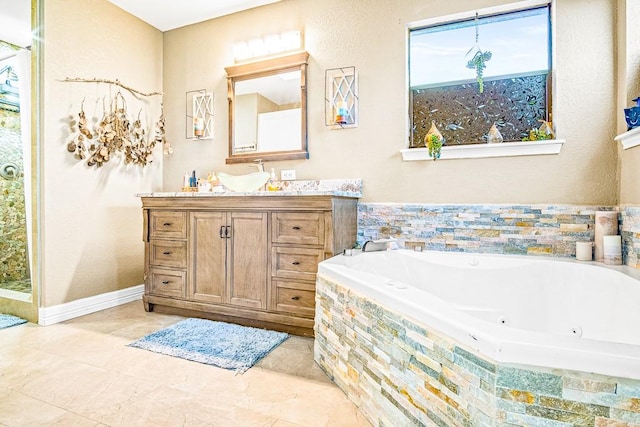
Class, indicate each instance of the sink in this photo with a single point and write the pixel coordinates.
(244, 183)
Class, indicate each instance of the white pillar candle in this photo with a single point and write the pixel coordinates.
(584, 251)
(606, 224)
(612, 250)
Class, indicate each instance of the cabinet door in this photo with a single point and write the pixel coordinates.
(248, 259)
(207, 257)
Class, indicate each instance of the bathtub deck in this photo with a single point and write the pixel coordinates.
(402, 373)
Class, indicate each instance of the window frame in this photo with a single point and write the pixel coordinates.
(468, 15)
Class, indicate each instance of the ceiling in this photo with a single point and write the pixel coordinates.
(165, 15)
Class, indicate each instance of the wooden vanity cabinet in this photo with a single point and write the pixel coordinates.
(250, 260)
(166, 254)
(228, 258)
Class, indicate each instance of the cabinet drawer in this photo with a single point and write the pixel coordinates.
(168, 283)
(297, 298)
(295, 263)
(168, 253)
(302, 228)
(168, 225)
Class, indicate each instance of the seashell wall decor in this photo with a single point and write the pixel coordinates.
(115, 133)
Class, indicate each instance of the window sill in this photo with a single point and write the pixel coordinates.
(479, 151)
(629, 139)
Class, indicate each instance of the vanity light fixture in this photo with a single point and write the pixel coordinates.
(268, 45)
(341, 98)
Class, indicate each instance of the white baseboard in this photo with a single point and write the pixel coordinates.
(71, 310)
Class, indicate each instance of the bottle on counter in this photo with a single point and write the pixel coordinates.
(272, 183)
(187, 180)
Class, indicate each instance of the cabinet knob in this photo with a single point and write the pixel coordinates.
(166, 224)
(296, 227)
(295, 263)
(166, 253)
(295, 298)
(165, 282)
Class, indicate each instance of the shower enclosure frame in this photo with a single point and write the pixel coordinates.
(27, 306)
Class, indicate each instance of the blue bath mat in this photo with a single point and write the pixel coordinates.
(7, 320)
(220, 344)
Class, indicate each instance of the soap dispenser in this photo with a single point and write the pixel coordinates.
(272, 184)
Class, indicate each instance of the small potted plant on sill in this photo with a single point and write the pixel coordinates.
(434, 140)
(544, 132)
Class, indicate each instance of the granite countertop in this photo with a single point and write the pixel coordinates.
(328, 187)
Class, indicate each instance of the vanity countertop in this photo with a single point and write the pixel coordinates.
(252, 194)
(328, 187)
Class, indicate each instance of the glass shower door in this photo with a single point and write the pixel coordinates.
(14, 252)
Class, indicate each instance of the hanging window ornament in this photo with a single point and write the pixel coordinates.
(478, 60)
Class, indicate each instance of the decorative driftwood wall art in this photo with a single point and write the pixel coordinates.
(115, 133)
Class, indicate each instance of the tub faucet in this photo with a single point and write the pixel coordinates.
(374, 245)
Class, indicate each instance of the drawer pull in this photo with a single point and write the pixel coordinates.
(295, 263)
(296, 228)
(166, 224)
(295, 298)
(165, 282)
(166, 253)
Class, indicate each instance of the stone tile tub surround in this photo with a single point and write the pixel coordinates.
(403, 373)
(550, 230)
(630, 231)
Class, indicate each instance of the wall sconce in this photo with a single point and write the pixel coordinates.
(268, 45)
(199, 114)
(341, 98)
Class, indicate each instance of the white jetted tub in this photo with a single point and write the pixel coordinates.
(513, 309)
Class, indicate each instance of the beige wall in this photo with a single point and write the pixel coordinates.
(91, 220)
(628, 89)
(371, 35)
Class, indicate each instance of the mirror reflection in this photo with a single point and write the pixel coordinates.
(267, 109)
(267, 113)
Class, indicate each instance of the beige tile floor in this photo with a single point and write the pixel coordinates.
(81, 373)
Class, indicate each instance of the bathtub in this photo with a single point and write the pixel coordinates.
(514, 310)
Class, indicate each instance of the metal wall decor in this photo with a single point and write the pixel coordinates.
(341, 98)
(199, 114)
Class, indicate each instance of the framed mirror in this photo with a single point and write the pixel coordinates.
(268, 109)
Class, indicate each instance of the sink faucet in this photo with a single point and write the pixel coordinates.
(259, 164)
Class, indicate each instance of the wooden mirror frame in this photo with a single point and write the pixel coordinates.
(269, 67)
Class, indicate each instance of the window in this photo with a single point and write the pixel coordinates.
(466, 75)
